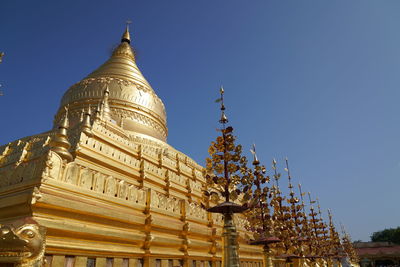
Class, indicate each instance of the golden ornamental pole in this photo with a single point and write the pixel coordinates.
(230, 255)
(267, 259)
(226, 168)
(259, 213)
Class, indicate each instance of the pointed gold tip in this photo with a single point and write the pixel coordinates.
(126, 37)
(60, 143)
(223, 119)
(65, 123)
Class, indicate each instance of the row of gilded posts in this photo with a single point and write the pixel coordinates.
(279, 223)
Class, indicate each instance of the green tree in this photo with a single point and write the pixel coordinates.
(387, 235)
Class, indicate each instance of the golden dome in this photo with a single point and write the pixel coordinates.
(133, 103)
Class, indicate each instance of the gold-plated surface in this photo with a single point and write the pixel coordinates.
(126, 37)
(23, 246)
(86, 125)
(132, 102)
(267, 259)
(60, 143)
(122, 196)
(110, 191)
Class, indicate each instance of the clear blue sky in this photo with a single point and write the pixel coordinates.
(317, 81)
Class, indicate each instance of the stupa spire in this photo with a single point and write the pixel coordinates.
(60, 143)
(105, 108)
(64, 123)
(126, 36)
(86, 125)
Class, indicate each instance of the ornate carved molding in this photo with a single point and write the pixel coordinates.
(128, 101)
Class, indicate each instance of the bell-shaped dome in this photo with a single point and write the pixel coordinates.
(132, 102)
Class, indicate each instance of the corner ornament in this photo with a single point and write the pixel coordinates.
(23, 246)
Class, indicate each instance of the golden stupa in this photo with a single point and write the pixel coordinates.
(104, 188)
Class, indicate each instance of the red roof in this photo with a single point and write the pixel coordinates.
(384, 250)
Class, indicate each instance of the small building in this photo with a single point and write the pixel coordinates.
(373, 254)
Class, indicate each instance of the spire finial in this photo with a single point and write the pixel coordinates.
(319, 207)
(330, 215)
(276, 174)
(86, 125)
(126, 37)
(289, 176)
(105, 108)
(60, 143)
(311, 201)
(64, 123)
(253, 151)
(82, 115)
(223, 119)
(97, 115)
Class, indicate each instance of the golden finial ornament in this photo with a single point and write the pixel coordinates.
(60, 143)
(334, 239)
(277, 175)
(253, 152)
(306, 229)
(223, 119)
(86, 125)
(105, 111)
(126, 37)
(258, 214)
(348, 247)
(225, 168)
(296, 222)
(97, 113)
(289, 177)
(65, 122)
(82, 115)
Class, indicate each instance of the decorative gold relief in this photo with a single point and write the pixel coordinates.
(72, 173)
(23, 154)
(111, 186)
(123, 189)
(195, 211)
(86, 180)
(24, 246)
(166, 203)
(36, 195)
(99, 180)
(53, 166)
